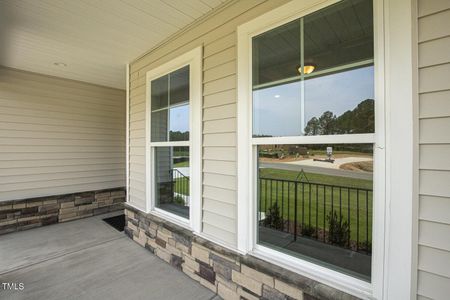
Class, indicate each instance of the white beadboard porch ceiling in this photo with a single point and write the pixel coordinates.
(94, 38)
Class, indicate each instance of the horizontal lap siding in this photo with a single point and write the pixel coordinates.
(434, 149)
(58, 136)
(217, 35)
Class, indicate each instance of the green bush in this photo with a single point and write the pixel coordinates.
(177, 199)
(308, 230)
(365, 246)
(273, 217)
(338, 229)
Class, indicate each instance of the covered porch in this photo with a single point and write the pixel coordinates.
(88, 259)
(252, 149)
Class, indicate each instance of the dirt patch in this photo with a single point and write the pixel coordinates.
(284, 159)
(365, 166)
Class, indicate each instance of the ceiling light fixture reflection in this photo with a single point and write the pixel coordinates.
(277, 96)
(307, 69)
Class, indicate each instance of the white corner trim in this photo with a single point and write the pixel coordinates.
(194, 59)
(127, 134)
(401, 150)
(379, 174)
(244, 244)
(196, 138)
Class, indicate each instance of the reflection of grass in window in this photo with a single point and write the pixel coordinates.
(181, 164)
(181, 186)
(271, 193)
(180, 153)
(316, 178)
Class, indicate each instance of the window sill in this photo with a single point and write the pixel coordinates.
(345, 283)
(170, 217)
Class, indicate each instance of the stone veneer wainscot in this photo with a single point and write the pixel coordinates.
(229, 274)
(17, 215)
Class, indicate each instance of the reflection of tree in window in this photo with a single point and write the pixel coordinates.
(359, 120)
(179, 136)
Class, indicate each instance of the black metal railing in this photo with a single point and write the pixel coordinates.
(333, 214)
(180, 184)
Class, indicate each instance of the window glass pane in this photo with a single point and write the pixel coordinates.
(172, 179)
(276, 54)
(277, 110)
(340, 103)
(159, 89)
(335, 92)
(179, 86)
(170, 107)
(339, 34)
(179, 123)
(159, 126)
(315, 202)
(339, 100)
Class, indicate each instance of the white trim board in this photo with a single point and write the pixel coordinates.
(127, 134)
(400, 81)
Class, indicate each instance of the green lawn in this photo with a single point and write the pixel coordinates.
(181, 164)
(316, 178)
(314, 202)
(182, 186)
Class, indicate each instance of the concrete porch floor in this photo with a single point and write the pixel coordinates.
(88, 259)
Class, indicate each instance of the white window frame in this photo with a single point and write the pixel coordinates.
(192, 58)
(247, 154)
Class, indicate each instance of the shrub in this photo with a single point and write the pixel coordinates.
(177, 199)
(365, 246)
(273, 217)
(308, 230)
(338, 229)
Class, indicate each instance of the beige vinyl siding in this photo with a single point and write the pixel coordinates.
(434, 149)
(217, 35)
(58, 136)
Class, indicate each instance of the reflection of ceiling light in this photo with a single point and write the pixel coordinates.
(308, 69)
(60, 64)
(277, 96)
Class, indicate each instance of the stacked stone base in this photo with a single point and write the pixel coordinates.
(229, 274)
(18, 215)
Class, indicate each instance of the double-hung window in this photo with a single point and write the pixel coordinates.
(310, 135)
(174, 139)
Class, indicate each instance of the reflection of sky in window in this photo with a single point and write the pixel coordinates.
(276, 110)
(179, 118)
